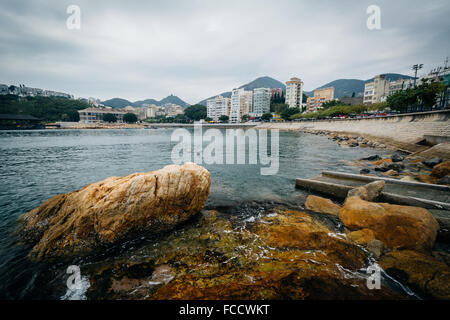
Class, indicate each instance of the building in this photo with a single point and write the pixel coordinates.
(261, 101)
(276, 93)
(172, 110)
(95, 115)
(321, 96)
(241, 103)
(294, 93)
(218, 106)
(377, 90)
(400, 84)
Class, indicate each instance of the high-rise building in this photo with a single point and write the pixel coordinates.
(241, 103)
(377, 90)
(261, 101)
(320, 97)
(294, 93)
(218, 106)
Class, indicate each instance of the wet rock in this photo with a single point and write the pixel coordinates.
(444, 180)
(441, 170)
(432, 162)
(369, 192)
(428, 275)
(117, 208)
(382, 161)
(408, 178)
(397, 226)
(377, 248)
(397, 158)
(381, 168)
(361, 237)
(322, 205)
(391, 173)
(426, 178)
(372, 158)
(364, 171)
(397, 166)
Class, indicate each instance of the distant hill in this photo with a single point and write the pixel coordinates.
(121, 103)
(346, 87)
(261, 82)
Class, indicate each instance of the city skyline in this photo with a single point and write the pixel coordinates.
(151, 50)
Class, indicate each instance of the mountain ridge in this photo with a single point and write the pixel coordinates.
(121, 103)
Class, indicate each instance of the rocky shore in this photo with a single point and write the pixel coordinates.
(276, 252)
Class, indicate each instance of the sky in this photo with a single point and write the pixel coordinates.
(195, 49)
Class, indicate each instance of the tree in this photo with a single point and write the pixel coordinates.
(266, 116)
(180, 118)
(332, 103)
(109, 117)
(223, 118)
(208, 119)
(130, 118)
(195, 112)
(245, 118)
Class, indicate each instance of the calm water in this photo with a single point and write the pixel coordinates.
(36, 165)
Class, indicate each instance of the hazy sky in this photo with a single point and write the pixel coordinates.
(195, 49)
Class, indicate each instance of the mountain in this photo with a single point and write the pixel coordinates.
(261, 82)
(121, 103)
(346, 87)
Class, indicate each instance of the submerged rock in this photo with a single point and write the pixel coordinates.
(116, 208)
(397, 226)
(419, 271)
(444, 180)
(397, 158)
(432, 162)
(322, 205)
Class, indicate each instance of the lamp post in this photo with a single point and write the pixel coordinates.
(416, 67)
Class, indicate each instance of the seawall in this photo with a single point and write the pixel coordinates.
(408, 128)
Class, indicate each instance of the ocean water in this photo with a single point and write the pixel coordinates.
(36, 165)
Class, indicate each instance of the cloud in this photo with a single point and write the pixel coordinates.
(195, 49)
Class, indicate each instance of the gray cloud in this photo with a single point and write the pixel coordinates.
(194, 49)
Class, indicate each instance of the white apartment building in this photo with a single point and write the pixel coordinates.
(261, 101)
(218, 106)
(294, 93)
(241, 103)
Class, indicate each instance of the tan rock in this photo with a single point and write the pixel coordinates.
(361, 237)
(441, 170)
(408, 178)
(116, 208)
(396, 226)
(380, 162)
(422, 272)
(390, 173)
(426, 179)
(369, 192)
(322, 205)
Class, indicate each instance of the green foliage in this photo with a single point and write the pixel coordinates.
(46, 108)
(333, 112)
(195, 112)
(285, 112)
(266, 116)
(223, 118)
(109, 117)
(208, 119)
(245, 118)
(130, 118)
(424, 95)
(332, 103)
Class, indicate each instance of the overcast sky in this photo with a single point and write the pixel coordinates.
(195, 49)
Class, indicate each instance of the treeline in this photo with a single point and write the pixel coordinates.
(46, 108)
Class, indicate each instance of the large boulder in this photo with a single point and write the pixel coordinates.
(116, 208)
(423, 273)
(441, 170)
(322, 205)
(397, 226)
(369, 192)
